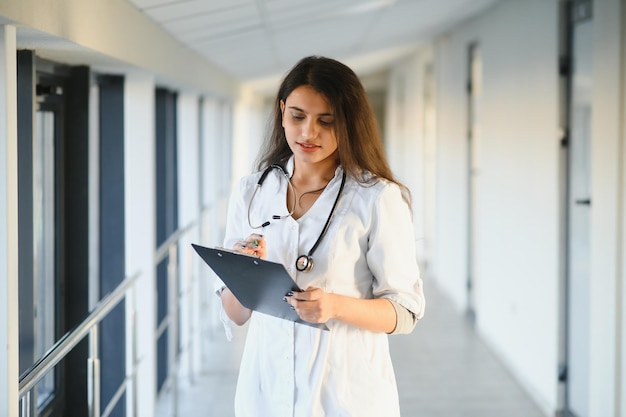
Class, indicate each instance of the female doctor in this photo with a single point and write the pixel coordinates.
(325, 204)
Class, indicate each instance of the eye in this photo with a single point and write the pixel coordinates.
(325, 122)
(297, 116)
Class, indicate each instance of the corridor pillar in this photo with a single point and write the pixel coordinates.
(9, 348)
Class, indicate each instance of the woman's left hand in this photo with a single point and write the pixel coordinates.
(318, 306)
(313, 305)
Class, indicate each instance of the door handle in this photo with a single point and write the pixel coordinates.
(583, 202)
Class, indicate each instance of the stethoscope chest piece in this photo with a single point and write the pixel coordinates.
(304, 263)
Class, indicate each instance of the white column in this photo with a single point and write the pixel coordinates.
(210, 158)
(226, 146)
(188, 213)
(215, 178)
(9, 349)
(140, 202)
(605, 212)
(249, 120)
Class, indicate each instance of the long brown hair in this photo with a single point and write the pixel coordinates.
(359, 145)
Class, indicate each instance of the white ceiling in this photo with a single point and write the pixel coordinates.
(257, 39)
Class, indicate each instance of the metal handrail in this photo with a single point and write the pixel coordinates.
(169, 250)
(65, 344)
(88, 327)
(163, 249)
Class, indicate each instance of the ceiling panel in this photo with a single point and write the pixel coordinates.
(259, 38)
(236, 44)
(340, 36)
(177, 10)
(289, 12)
(226, 20)
(144, 4)
(251, 68)
(239, 47)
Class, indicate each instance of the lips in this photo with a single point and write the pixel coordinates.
(307, 147)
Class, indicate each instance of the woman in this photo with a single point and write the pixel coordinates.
(332, 213)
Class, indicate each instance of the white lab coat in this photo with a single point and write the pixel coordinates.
(294, 370)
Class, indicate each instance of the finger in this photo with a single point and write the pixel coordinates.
(310, 294)
(256, 238)
(299, 296)
(251, 244)
(257, 242)
(293, 303)
(244, 247)
(253, 241)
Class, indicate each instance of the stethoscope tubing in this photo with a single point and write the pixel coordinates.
(304, 263)
(258, 186)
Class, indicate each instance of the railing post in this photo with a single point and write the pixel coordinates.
(131, 304)
(172, 275)
(133, 293)
(25, 405)
(191, 318)
(93, 374)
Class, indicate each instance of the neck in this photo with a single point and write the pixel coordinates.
(308, 182)
(314, 175)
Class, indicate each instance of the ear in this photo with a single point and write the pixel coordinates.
(282, 113)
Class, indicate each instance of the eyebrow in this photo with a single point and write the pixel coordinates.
(299, 109)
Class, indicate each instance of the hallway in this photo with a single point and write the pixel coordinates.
(450, 372)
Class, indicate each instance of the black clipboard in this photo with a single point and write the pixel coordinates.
(258, 284)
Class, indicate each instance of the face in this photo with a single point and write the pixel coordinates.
(309, 126)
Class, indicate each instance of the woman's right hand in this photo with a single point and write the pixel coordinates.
(253, 245)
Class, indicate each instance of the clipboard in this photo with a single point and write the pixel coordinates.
(258, 284)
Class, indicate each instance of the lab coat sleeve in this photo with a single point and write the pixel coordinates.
(391, 254)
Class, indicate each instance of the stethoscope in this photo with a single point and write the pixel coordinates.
(304, 263)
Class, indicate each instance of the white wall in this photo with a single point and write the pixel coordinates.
(517, 229)
(405, 139)
(518, 249)
(8, 225)
(449, 261)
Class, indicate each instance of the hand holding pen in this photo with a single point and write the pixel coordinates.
(253, 245)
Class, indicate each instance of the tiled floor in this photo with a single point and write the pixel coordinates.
(442, 368)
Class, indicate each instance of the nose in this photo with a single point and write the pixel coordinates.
(309, 129)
